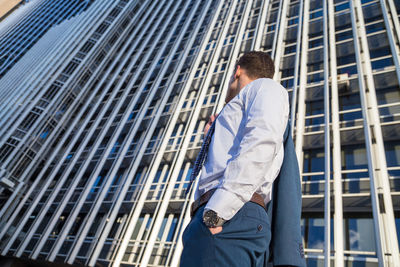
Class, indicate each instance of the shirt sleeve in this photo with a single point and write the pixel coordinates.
(266, 114)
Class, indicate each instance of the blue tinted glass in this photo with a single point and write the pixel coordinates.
(380, 52)
(394, 180)
(360, 234)
(354, 157)
(315, 262)
(392, 150)
(344, 35)
(375, 27)
(350, 70)
(341, 7)
(313, 160)
(315, 233)
(382, 63)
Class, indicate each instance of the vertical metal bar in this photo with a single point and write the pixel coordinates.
(302, 86)
(327, 168)
(336, 149)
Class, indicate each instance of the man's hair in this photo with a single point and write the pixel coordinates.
(257, 64)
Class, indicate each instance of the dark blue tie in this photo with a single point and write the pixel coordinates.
(201, 157)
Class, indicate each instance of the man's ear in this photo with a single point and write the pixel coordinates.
(238, 72)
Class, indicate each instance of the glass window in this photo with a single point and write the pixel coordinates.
(344, 35)
(316, 77)
(397, 215)
(315, 28)
(375, 27)
(378, 45)
(372, 12)
(316, 14)
(314, 233)
(344, 50)
(342, 21)
(392, 149)
(287, 73)
(346, 59)
(293, 21)
(341, 7)
(316, 43)
(382, 63)
(349, 101)
(287, 83)
(314, 262)
(172, 229)
(359, 234)
(315, 56)
(291, 34)
(397, 5)
(294, 10)
(315, 4)
(349, 117)
(313, 160)
(394, 180)
(314, 107)
(350, 70)
(355, 183)
(387, 87)
(290, 49)
(354, 157)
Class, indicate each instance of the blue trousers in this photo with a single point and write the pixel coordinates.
(243, 242)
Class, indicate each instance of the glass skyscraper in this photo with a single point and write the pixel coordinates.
(102, 118)
(29, 23)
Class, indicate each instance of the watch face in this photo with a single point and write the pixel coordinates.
(210, 218)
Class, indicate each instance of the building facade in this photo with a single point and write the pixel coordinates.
(101, 121)
(29, 23)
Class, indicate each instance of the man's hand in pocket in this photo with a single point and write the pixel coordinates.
(215, 230)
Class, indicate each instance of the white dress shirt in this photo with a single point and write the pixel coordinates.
(246, 150)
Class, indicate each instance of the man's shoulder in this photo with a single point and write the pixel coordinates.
(266, 84)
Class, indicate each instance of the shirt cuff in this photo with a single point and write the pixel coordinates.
(226, 204)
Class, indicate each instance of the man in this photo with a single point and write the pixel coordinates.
(230, 226)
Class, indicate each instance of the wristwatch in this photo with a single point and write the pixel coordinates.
(211, 219)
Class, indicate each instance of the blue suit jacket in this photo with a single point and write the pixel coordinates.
(284, 211)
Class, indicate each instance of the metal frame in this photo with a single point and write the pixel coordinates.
(336, 157)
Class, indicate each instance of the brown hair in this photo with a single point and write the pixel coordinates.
(257, 64)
